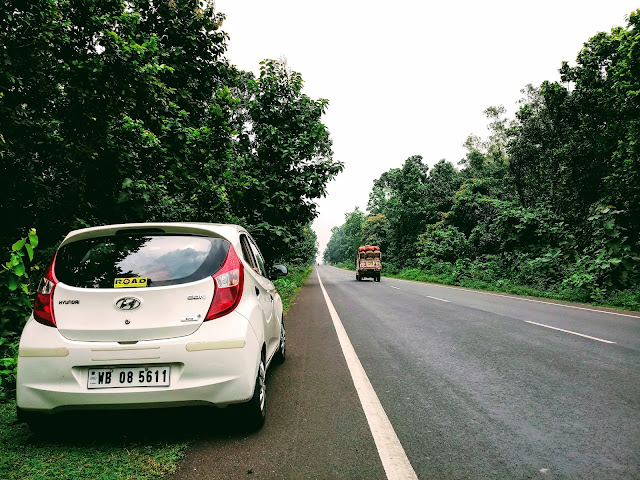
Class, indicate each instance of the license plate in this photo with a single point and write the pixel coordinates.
(118, 377)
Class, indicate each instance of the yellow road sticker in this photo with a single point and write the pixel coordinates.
(132, 282)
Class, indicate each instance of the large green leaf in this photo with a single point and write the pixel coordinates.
(19, 270)
(29, 251)
(18, 245)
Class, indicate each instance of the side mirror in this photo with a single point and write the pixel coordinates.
(278, 271)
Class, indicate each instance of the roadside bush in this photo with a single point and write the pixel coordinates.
(347, 265)
(389, 268)
(15, 306)
(627, 299)
(289, 285)
(8, 366)
(441, 243)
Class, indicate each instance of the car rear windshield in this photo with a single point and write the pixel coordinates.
(153, 260)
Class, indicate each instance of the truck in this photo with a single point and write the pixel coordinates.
(368, 262)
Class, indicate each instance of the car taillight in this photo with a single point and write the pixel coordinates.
(229, 281)
(43, 305)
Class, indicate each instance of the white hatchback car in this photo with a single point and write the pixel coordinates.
(152, 315)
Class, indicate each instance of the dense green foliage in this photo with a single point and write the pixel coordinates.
(15, 305)
(549, 203)
(117, 111)
(305, 250)
(345, 239)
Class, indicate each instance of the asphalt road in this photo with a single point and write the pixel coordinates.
(472, 389)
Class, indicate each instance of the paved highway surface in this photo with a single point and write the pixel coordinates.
(473, 385)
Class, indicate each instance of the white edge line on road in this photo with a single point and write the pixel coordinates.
(394, 459)
(394, 287)
(569, 331)
(520, 298)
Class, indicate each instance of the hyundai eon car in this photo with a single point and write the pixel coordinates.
(152, 315)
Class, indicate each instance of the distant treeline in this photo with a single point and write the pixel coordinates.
(127, 111)
(549, 204)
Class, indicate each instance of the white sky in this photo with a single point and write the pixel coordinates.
(410, 77)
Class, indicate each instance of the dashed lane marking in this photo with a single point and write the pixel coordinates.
(569, 331)
(428, 296)
(436, 298)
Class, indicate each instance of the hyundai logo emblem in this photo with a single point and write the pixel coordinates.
(127, 303)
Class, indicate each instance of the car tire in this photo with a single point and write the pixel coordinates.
(255, 410)
(358, 278)
(281, 354)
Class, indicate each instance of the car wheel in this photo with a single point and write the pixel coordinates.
(255, 410)
(357, 277)
(282, 349)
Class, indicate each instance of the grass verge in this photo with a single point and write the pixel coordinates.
(26, 456)
(107, 448)
(289, 286)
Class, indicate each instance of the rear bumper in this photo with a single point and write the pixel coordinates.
(216, 365)
(369, 272)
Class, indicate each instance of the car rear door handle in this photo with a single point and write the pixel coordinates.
(257, 291)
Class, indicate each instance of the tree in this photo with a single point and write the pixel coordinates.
(305, 249)
(28, 96)
(444, 181)
(575, 149)
(72, 135)
(575, 144)
(374, 231)
(399, 195)
(346, 239)
(288, 152)
(117, 111)
(333, 253)
(190, 175)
